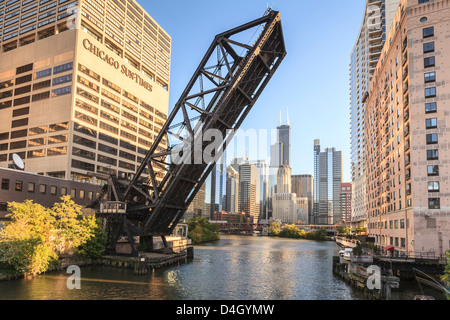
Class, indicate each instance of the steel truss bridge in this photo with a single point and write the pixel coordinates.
(224, 88)
(241, 227)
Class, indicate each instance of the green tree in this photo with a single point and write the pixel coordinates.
(201, 230)
(26, 240)
(291, 231)
(71, 229)
(360, 230)
(446, 276)
(343, 230)
(34, 237)
(274, 228)
(317, 235)
(95, 246)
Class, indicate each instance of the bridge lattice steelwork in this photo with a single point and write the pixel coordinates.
(224, 88)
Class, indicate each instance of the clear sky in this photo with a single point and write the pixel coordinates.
(312, 81)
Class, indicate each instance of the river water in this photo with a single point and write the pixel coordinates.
(233, 268)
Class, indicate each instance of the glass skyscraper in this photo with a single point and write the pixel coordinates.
(327, 182)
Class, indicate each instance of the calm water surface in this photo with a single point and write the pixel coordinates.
(233, 268)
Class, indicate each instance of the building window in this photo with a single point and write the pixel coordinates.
(431, 107)
(432, 138)
(402, 224)
(433, 186)
(433, 170)
(428, 32)
(31, 187)
(63, 191)
(107, 149)
(58, 139)
(83, 153)
(428, 47)
(18, 186)
(19, 123)
(63, 79)
(41, 96)
(84, 142)
(63, 68)
(61, 91)
(432, 154)
(83, 165)
(24, 69)
(56, 151)
(5, 184)
(21, 112)
(43, 189)
(107, 160)
(59, 127)
(430, 92)
(430, 77)
(429, 62)
(434, 203)
(36, 153)
(53, 190)
(85, 130)
(431, 123)
(43, 74)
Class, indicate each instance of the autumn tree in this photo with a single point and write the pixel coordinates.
(26, 240)
(35, 236)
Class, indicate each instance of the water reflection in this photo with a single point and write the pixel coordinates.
(234, 268)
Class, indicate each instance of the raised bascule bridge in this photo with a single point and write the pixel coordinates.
(224, 88)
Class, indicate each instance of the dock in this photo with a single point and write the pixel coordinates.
(356, 273)
(178, 250)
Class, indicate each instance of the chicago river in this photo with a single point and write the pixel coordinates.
(233, 268)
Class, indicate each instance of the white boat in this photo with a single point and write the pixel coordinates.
(348, 253)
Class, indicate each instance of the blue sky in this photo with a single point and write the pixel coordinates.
(312, 81)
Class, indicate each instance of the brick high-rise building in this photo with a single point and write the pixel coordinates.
(407, 115)
(346, 202)
(376, 22)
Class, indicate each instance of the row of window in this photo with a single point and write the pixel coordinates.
(431, 123)
(393, 224)
(114, 97)
(44, 189)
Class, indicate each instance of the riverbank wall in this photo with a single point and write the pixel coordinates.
(358, 277)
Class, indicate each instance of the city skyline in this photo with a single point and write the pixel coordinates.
(311, 111)
(95, 113)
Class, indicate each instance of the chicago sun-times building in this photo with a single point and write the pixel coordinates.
(84, 86)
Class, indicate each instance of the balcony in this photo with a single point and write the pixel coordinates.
(407, 146)
(406, 132)
(405, 73)
(405, 59)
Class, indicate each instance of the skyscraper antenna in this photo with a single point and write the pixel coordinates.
(280, 119)
(287, 111)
